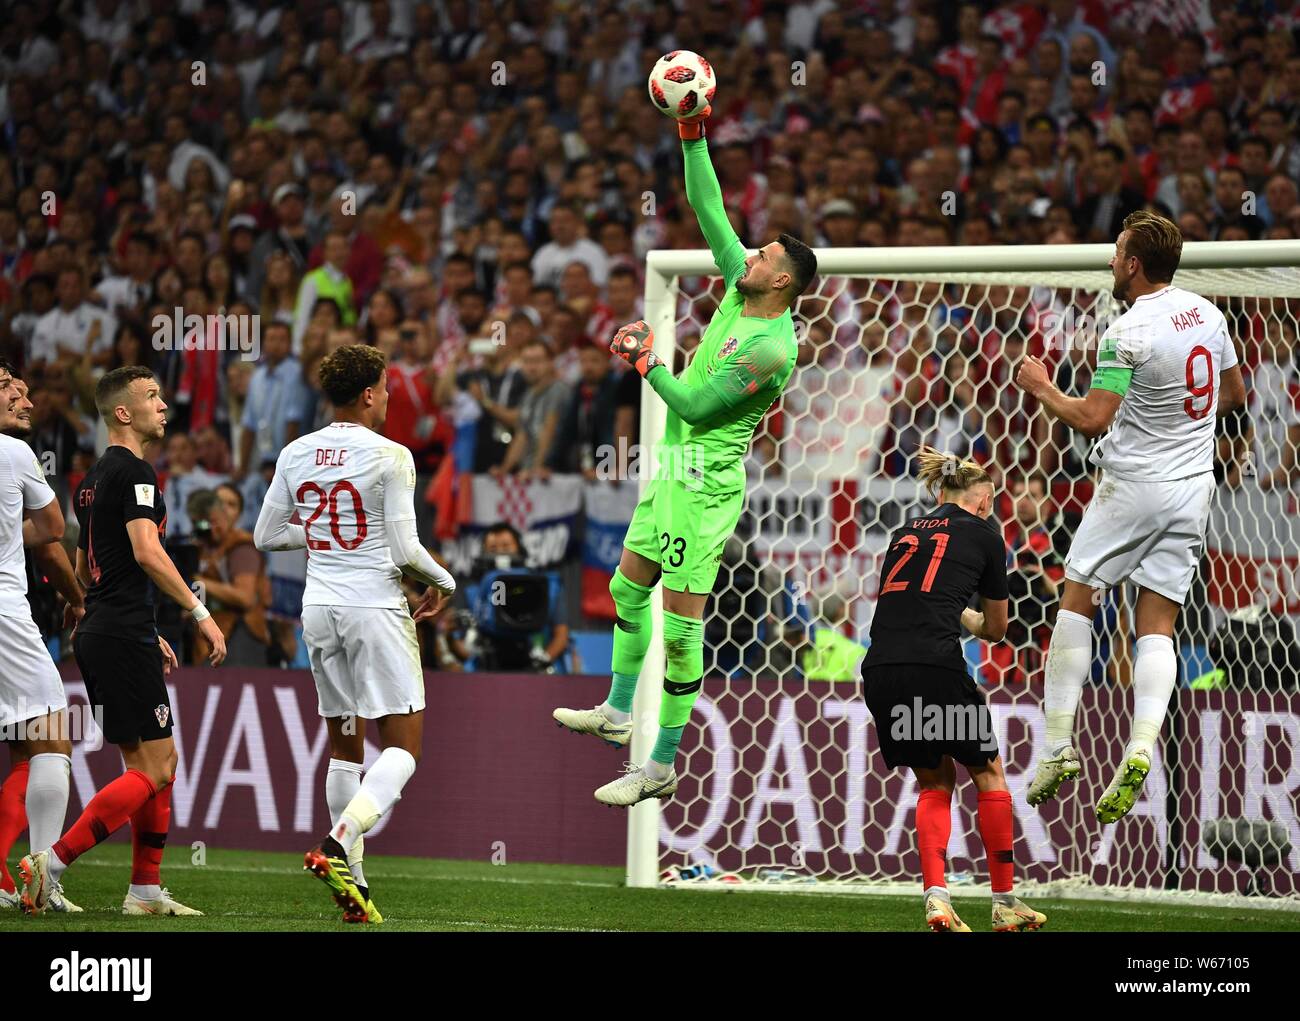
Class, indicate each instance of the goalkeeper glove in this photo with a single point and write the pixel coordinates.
(691, 128)
(633, 343)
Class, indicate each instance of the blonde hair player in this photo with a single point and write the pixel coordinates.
(929, 713)
(1166, 369)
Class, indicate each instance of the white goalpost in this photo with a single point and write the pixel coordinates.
(781, 787)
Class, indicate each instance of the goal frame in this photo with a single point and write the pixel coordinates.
(1087, 264)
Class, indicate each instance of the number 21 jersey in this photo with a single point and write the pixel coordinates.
(934, 565)
(347, 483)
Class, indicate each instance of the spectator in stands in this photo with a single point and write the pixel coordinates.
(133, 290)
(74, 327)
(539, 415)
(232, 573)
(586, 428)
(1273, 407)
(289, 237)
(1101, 215)
(185, 477)
(567, 245)
(276, 406)
(328, 282)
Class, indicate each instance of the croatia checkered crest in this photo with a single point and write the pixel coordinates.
(681, 83)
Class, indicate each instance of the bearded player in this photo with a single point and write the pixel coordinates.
(35, 793)
(690, 509)
(355, 493)
(1166, 368)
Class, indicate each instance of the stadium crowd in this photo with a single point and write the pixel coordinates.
(473, 187)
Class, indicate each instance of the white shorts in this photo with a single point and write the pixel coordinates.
(366, 661)
(1151, 533)
(30, 685)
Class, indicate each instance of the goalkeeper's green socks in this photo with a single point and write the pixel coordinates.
(684, 650)
(631, 640)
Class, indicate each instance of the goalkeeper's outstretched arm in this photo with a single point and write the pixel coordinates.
(750, 369)
(705, 196)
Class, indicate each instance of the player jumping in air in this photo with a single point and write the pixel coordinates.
(689, 510)
(1166, 368)
(121, 656)
(355, 493)
(36, 789)
(928, 711)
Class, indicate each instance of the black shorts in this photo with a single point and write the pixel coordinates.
(923, 713)
(125, 679)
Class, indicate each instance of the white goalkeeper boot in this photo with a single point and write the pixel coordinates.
(1052, 771)
(1122, 794)
(595, 722)
(635, 785)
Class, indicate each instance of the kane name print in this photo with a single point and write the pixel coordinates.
(1186, 319)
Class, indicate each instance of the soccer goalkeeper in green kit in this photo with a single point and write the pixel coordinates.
(691, 507)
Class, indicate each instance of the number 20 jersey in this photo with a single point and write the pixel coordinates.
(1165, 355)
(347, 482)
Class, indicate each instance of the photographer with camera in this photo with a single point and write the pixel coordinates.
(515, 615)
(233, 575)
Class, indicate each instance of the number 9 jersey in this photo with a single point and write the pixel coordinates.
(1163, 356)
(347, 484)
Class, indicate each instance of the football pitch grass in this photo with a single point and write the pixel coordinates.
(242, 891)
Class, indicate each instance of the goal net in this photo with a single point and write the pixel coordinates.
(781, 784)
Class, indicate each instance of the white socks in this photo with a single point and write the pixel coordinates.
(614, 715)
(657, 771)
(379, 791)
(145, 892)
(1155, 672)
(1069, 659)
(47, 797)
(342, 781)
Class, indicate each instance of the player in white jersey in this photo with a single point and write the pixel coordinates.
(1166, 370)
(354, 492)
(33, 718)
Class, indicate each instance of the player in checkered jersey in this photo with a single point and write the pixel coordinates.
(354, 491)
(1166, 369)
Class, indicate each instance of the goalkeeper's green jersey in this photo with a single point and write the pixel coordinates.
(740, 368)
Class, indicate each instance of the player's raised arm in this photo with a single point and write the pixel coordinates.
(755, 362)
(705, 196)
(273, 530)
(1091, 414)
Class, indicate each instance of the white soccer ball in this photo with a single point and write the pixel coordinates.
(681, 83)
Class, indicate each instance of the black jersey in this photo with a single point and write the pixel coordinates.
(933, 566)
(120, 488)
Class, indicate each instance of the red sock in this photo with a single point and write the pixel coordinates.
(995, 831)
(933, 827)
(149, 837)
(13, 818)
(105, 814)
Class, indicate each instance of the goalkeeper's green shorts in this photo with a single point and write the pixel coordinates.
(684, 531)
